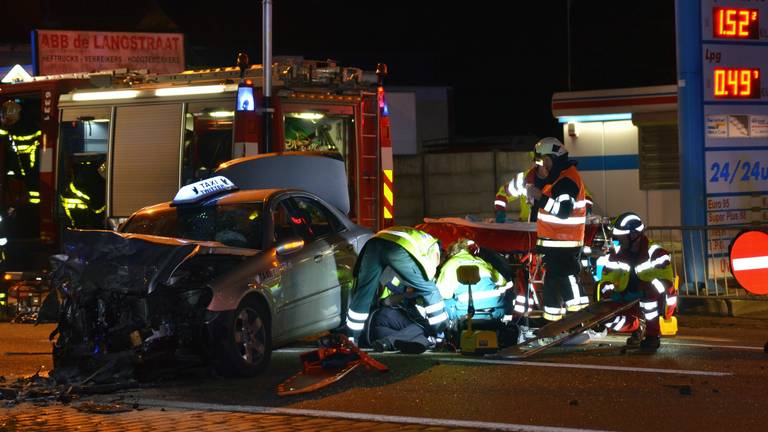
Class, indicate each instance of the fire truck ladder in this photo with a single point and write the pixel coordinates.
(368, 162)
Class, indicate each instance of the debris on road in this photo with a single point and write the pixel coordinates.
(334, 360)
(91, 407)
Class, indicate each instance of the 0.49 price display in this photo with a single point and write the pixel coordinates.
(736, 83)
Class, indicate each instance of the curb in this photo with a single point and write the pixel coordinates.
(725, 307)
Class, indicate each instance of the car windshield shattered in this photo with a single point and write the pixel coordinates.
(238, 225)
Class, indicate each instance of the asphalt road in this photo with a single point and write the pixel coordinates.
(712, 376)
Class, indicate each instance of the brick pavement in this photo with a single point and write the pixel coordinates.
(57, 417)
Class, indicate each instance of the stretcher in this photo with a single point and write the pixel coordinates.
(505, 238)
(515, 240)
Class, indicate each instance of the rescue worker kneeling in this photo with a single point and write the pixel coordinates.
(413, 256)
(488, 294)
(638, 269)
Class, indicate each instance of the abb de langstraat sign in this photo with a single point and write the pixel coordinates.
(72, 51)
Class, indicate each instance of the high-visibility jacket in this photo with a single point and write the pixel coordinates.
(422, 246)
(515, 189)
(655, 268)
(487, 294)
(552, 231)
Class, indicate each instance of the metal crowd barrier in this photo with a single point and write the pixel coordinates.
(712, 243)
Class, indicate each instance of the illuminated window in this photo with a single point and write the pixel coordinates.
(207, 139)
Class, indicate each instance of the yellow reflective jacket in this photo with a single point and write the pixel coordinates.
(422, 246)
(447, 281)
(657, 266)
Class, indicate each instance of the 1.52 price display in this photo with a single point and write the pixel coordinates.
(735, 23)
(736, 83)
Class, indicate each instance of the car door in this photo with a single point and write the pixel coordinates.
(298, 312)
(337, 255)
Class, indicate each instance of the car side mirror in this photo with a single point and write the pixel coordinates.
(289, 246)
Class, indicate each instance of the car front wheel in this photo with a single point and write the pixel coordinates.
(246, 343)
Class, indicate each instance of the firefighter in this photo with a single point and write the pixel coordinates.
(515, 189)
(561, 216)
(82, 198)
(414, 256)
(638, 269)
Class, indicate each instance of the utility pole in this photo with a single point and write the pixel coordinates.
(266, 62)
(568, 37)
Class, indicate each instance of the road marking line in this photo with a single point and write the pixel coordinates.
(585, 366)
(619, 339)
(357, 416)
(741, 347)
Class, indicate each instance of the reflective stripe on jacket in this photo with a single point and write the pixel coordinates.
(553, 231)
(656, 269)
(422, 246)
(447, 281)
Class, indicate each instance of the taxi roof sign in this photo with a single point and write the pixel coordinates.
(195, 192)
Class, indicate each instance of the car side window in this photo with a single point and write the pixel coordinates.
(290, 223)
(320, 220)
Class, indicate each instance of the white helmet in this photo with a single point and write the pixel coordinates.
(549, 146)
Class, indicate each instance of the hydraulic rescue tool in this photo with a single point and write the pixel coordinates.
(334, 360)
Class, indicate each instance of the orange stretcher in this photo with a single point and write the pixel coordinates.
(514, 237)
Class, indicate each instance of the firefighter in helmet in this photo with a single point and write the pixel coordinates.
(638, 269)
(560, 223)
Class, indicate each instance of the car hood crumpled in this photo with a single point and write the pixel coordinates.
(133, 263)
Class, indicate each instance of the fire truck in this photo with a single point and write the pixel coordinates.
(88, 152)
(29, 129)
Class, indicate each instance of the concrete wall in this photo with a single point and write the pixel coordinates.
(461, 184)
(457, 184)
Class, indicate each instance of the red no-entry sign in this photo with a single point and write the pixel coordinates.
(749, 261)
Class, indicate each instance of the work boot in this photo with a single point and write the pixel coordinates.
(650, 344)
(637, 335)
(407, 347)
(381, 345)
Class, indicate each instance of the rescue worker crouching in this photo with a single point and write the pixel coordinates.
(401, 323)
(638, 268)
(488, 294)
(414, 256)
(560, 225)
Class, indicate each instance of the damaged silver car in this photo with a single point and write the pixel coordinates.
(219, 273)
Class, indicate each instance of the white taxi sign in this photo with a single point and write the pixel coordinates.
(194, 192)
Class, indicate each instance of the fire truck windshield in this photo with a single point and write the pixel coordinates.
(308, 131)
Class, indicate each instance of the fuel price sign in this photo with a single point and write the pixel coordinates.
(734, 50)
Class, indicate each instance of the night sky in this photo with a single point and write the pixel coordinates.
(504, 59)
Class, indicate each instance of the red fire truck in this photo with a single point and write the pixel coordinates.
(87, 153)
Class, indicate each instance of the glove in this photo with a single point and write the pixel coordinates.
(501, 216)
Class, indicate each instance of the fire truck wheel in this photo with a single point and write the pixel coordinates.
(246, 346)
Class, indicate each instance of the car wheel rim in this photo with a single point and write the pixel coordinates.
(250, 336)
